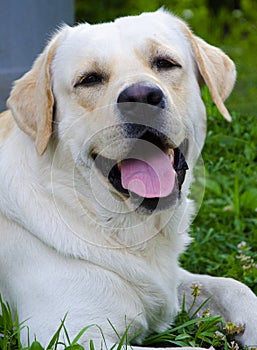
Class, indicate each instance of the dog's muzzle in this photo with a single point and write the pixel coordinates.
(153, 171)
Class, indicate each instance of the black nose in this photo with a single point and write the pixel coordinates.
(143, 93)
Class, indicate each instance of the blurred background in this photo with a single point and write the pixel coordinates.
(25, 27)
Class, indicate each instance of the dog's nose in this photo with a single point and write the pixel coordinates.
(143, 93)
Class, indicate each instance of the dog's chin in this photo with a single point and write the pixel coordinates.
(154, 205)
(111, 169)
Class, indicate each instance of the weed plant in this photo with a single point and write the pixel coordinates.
(199, 328)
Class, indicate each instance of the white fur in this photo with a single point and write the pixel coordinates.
(68, 243)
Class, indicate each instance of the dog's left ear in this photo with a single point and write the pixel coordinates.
(216, 69)
(32, 100)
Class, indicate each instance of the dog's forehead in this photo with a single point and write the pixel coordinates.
(126, 34)
(119, 44)
(159, 25)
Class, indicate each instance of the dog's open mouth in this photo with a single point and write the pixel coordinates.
(152, 173)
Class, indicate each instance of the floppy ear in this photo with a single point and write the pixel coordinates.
(32, 100)
(216, 68)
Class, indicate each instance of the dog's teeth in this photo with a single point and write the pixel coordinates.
(119, 165)
(171, 155)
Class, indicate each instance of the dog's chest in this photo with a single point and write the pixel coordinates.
(157, 289)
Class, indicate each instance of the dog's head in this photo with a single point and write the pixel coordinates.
(126, 102)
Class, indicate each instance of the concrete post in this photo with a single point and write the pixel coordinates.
(25, 26)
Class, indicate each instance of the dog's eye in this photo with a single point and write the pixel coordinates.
(162, 63)
(89, 80)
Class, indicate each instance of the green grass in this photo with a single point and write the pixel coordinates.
(225, 237)
(201, 329)
(228, 215)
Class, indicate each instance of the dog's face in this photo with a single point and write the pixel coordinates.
(127, 104)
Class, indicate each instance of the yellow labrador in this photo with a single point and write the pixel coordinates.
(97, 153)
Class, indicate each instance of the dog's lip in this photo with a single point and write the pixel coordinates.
(165, 145)
(110, 169)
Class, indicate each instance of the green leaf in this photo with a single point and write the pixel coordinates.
(178, 343)
(79, 335)
(182, 336)
(248, 199)
(75, 347)
(213, 186)
(91, 345)
(200, 307)
(36, 346)
(56, 336)
(226, 140)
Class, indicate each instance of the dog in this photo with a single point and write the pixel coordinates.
(97, 155)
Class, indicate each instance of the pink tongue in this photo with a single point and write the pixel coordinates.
(151, 177)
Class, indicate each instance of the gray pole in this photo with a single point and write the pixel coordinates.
(25, 27)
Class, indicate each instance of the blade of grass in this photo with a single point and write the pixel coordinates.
(55, 338)
(79, 335)
(200, 307)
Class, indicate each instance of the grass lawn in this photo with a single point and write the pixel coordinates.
(225, 234)
(228, 214)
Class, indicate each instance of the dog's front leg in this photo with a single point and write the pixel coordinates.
(233, 300)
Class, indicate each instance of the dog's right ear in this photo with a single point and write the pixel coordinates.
(31, 100)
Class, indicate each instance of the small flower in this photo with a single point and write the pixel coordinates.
(232, 328)
(241, 244)
(196, 289)
(228, 208)
(233, 346)
(242, 257)
(206, 313)
(219, 335)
